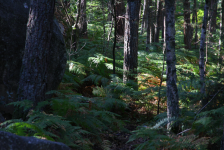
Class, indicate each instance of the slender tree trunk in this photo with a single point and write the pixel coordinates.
(202, 51)
(163, 24)
(221, 56)
(172, 91)
(115, 34)
(187, 26)
(159, 20)
(33, 78)
(131, 41)
(145, 18)
(82, 19)
(221, 61)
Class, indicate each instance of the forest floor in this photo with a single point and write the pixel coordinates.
(119, 140)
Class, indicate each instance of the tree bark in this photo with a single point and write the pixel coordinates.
(202, 51)
(115, 34)
(82, 19)
(159, 20)
(222, 39)
(212, 16)
(172, 91)
(131, 41)
(110, 10)
(221, 60)
(195, 21)
(145, 18)
(149, 26)
(32, 84)
(187, 26)
(120, 11)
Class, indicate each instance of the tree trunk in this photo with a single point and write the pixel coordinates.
(149, 26)
(221, 55)
(159, 20)
(202, 51)
(120, 11)
(212, 16)
(32, 84)
(145, 18)
(195, 21)
(187, 26)
(115, 34)
(131, 41)
(221, 60)
(172, 91)
(110, 10)
(82, 19)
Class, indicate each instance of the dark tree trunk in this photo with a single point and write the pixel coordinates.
(187, 26)
(115, 34)
(33, 78)
(221, 60)
(159, 20)
(212, 16)
(82, 19)
(149, 26)
(131, 41)
(120, 11)
(221, 55)
(195, 22)
(172, 92)
(202, 51)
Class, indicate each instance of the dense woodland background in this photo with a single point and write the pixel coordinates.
(139, 75)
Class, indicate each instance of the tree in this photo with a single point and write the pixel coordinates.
(212, 16)
(187, 26)
(159, 20)
(195, 21)
(149, 26)
(172, 91)
(32, 84)
(144, 24)
(221, 60)
(82, 19)
(131, 40)
(120, 11)
(202, 51)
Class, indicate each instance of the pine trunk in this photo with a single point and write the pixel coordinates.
(172, 91)
(212, 16)
(202, 52)
(33, 78)
(120, 11)
(187, 26)
(131, 41)
(159, 20)
(144, 24)
(82, 19)
(149, 26)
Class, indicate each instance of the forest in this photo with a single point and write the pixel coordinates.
(113, 74)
